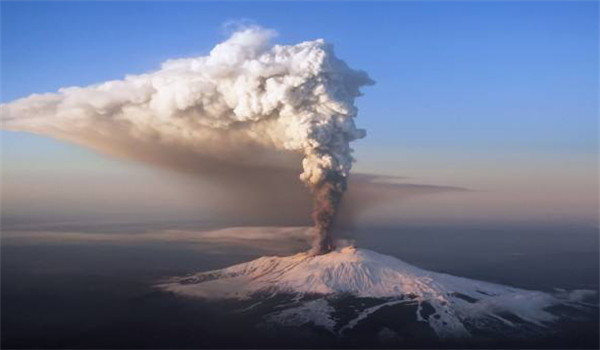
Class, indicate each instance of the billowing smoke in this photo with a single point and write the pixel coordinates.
(327, 195)
(246, 103)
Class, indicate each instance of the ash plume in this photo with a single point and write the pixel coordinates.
(327, 196)
(249, 104)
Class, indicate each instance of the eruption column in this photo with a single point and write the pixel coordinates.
(243, 100)
(327, 196)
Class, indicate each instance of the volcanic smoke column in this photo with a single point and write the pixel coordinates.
(246, 95)
(328, 156)
(327, 195)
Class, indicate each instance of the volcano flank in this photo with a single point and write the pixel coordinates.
(310, 288)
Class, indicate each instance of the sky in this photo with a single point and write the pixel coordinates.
(497, 97)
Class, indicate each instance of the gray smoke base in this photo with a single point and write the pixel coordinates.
(246, 103)
(327, 196)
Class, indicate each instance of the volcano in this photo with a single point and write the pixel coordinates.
(343, 289)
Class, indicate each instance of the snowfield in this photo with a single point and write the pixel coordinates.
(458, 303)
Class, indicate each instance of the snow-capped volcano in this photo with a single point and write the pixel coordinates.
(451, 305)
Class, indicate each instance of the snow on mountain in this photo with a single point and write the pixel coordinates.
(456, 301)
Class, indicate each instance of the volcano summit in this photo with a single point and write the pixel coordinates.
(342, 289)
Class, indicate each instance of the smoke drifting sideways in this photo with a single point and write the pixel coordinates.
(242, 112)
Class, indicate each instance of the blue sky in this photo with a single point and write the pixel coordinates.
(460, 74)
(458, 83)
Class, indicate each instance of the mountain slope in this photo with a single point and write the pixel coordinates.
(458, 304)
